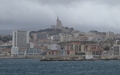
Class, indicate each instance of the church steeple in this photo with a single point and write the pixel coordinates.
(58, 24)
(57, 18)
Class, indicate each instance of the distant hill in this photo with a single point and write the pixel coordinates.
(97, 32)
(49, 31)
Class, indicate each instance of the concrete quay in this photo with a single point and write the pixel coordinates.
(75, 58)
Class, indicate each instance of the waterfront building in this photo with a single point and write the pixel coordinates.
(20, 40)
(4, 52)
(71, 47)
(54, 49)
(33, 51)
(82, 48)
(116, 49)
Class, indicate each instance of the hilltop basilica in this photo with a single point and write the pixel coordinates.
(58, 24)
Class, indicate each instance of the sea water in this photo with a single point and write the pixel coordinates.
(36, 67)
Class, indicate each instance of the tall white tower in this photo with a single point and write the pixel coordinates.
(20, 40)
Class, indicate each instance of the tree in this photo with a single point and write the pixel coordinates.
(106, 48)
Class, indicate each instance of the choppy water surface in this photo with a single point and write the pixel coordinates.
(35, 67)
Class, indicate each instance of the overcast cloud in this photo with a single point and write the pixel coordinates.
(83, 15)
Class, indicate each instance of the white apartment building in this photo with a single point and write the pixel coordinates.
(20, 40)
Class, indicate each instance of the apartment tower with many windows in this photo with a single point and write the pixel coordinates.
(20, 40)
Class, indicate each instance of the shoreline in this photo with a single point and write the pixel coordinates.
(59, 58)
(82, 60)
(41, 60)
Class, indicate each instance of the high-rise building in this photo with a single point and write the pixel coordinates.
(20, 40)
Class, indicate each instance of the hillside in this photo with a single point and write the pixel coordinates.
(49, 31)
(55, 31)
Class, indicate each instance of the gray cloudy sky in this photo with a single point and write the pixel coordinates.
(83, 15)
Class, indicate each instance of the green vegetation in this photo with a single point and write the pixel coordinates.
(49, 31)
(97, 32)
(5, 39)
(107, 48)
